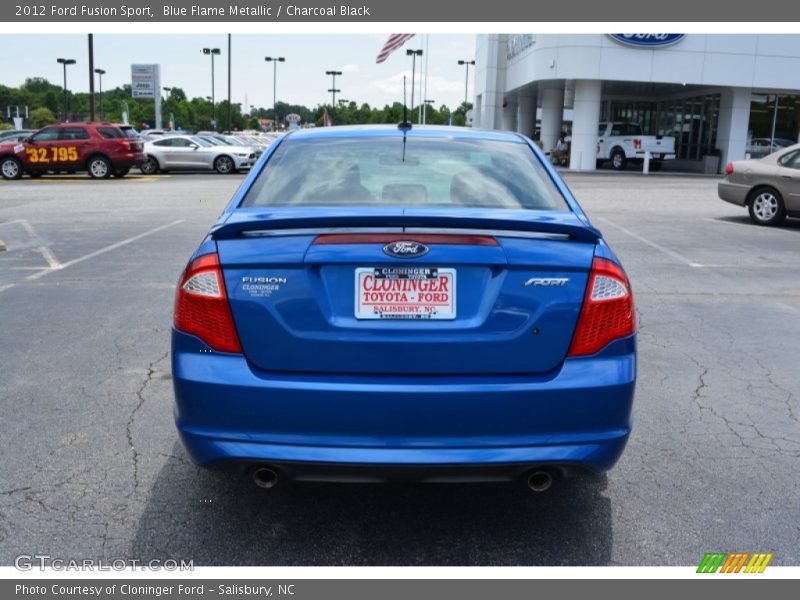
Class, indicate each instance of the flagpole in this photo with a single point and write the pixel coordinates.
(425, 81)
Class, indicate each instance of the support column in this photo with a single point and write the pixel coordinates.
(585, 121)
(490, 80)
(552, 113)
(526, 115)
(510, 115)
(734, 121)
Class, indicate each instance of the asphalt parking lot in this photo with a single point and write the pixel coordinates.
(92, 467)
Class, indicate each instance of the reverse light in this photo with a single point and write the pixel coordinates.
(201, 305)
(607, 313)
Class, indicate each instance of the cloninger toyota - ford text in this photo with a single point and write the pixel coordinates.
(389, 302)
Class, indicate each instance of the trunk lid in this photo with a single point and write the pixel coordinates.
(514, 305)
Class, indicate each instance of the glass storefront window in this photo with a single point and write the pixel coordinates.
(774, 123)
(691, 121)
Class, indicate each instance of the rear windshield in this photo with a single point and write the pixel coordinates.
(110, 132)
(423, 171)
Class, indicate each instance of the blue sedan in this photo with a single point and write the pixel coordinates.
(397, 302)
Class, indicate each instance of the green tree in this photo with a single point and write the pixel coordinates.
(39, 117)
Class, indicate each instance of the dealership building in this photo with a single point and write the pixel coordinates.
(723, 97)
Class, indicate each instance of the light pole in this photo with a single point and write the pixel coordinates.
(212, 52)
(167, 90)
(65, 62)
(466, 64)
(275, 60)
(333, 89)
(413, 54)
(100, 72)
(425, 112)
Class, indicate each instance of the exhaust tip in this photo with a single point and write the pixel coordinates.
(265, 478)
(540, 481)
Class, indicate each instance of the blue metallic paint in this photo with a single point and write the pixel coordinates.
(228, 410)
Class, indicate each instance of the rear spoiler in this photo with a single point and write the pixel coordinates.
(304, 221)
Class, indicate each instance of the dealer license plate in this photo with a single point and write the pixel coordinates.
(405, 293)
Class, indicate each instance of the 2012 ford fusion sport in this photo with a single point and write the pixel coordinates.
(394, 302)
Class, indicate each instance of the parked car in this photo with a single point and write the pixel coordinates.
(769, 187)
(189, 152)
(219, 139)
(383, 302)
(621, 143)
(761, 147)
(14, 134)
(101, 149)
(17, 136)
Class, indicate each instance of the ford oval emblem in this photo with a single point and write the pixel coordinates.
(406, 249)
(647, 40)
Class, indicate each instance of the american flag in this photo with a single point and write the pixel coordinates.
(393, 43)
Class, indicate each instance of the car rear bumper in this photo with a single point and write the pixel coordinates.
(733, 192)
(227, 412)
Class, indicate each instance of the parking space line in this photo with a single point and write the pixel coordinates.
(652, 244)
(97, 253)
(48, 255)
(94, 254)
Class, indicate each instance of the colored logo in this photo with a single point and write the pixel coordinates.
(406, 249)
(738, 562)
(647, 40)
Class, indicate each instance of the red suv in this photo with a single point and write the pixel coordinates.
(101, 149)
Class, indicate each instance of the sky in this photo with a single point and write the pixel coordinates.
(301, 79)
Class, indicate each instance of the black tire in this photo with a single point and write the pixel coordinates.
(224, 165)
(598, 164)
(766, 207)
(10, 167)
(149, 166)
(121, 172)
(99, 167)
(618, 160)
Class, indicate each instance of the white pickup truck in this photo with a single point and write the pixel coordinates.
(619, 143)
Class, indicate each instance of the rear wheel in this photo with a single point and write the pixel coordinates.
(224, 165)
(99, 167)
(618, 160)
(10, 168)
(149, 166)
(766, 207)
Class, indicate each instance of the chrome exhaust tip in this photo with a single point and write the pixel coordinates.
(265, 477)
(540, 481)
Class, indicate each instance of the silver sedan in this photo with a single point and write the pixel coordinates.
(769, 187)
(192, 153)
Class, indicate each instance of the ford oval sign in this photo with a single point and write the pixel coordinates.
(647, 40)
(406, 249)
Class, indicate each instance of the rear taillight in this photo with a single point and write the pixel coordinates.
(637, 143)
(729, 169)
(607, 312)
(201, 305)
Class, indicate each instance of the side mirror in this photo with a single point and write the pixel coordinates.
(193, 146)
(28, 140)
